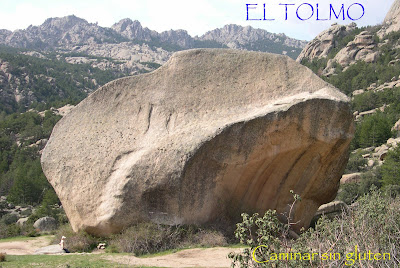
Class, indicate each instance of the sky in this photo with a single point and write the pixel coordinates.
(200, 16)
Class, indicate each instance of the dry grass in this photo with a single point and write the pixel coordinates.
(75, 242)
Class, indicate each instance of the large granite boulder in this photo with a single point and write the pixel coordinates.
(213, 132)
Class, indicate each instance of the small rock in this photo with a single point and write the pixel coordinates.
(332, 207)
(21, 222)
(350, 178)
(45, 224)
(393, 142)
(358, 92)
(396, 128)
(381, 148)
(371, 163)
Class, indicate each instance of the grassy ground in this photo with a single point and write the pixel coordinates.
(23, 238)
(62, 261)
(76, 260)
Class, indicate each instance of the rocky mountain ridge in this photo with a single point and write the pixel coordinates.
(71, 31)
(235, 36)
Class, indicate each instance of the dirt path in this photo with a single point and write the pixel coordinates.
(210, 257)
(24, 247)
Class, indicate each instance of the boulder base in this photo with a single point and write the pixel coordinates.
(210, 134)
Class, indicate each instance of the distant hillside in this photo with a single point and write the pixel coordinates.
(35, 80)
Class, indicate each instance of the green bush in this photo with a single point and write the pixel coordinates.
(356, 162)
(13, 230)
(350, 192)
(146, 238)
(2, 257)
(264, 236)
(9, 219)
(391, 168)
(371, 226)
(373, 130)
(76, 241)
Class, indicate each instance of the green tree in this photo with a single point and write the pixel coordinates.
(391, 168)
(373, 130)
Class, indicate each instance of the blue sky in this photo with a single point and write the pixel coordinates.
(197, 16)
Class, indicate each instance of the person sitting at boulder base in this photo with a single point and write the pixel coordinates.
(62, 244)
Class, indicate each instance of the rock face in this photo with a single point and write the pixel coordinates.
(351, 178)
(392, 20)
(362, 48)
(213, 132)
(324, 42)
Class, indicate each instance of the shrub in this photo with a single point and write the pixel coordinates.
(145, 238)
(356, 162)
(76, 241)
(371, 226)
(13, 230)
(373, 130)
(391, 168)
(2, 257)
(9, 219)
(264, 235)
(208, 238)
(350, 192)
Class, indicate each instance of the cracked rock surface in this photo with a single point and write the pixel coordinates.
(212, 133)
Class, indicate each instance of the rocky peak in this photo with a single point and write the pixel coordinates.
(325, 42)
(3, 35)
(56, 32)
(392, 20)
(394, 13)
(124, 23)
(236, 36)
(178, 37)
(133, 30)
(63, 23)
